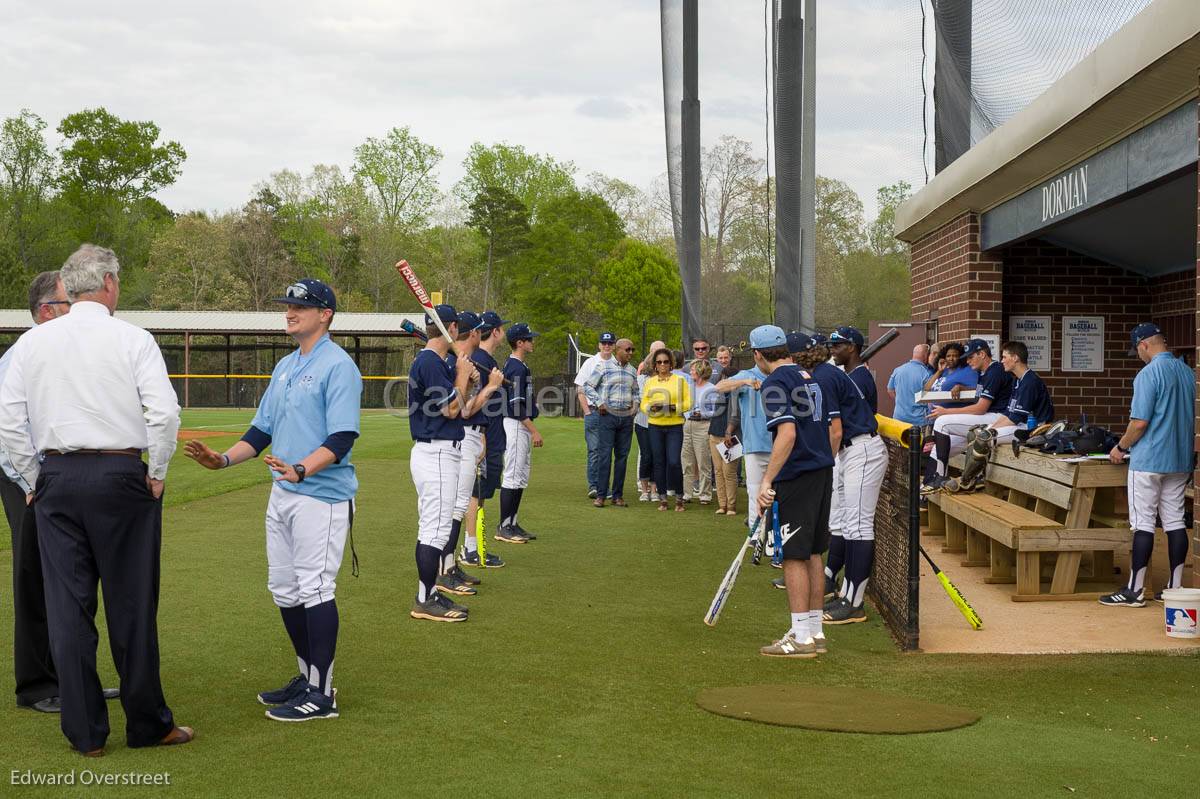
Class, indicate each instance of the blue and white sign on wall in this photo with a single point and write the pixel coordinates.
(1034, 333)
(1083, 343)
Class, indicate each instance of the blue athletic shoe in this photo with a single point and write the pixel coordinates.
(313, 705)
(281, 696)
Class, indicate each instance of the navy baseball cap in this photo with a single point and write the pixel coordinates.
(492, 319)
(608, 338)
(1140, 333)
(445, 312)
(798, 342)
(766, 336)
(309, 293)
(519, 331)
(975, 345)
(818, 340)
(468, 321)
(847, 335)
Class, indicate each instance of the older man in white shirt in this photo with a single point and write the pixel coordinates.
(105, 400)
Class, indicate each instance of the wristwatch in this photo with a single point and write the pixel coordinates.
(1122, 450)
(300, 471)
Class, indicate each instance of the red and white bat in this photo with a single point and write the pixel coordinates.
(414, 285)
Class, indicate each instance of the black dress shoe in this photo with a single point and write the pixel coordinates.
(112, 693)
(51, 704)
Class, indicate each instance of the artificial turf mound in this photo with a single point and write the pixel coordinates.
(833, 709)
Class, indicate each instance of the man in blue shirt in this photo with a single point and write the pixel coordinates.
(520, 434)
(309, 416)
(950, 425)
(905, 381)
(799, 478)
(612, 392)
(1159, 444)
(752, 430)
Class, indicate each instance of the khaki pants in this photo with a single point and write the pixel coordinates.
(696, 458)
(727, 481)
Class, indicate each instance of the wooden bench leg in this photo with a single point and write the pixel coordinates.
(977, 549)
(1002, 561)
(1029, 573)
(1102, 566)
(936, 521)
(1066, 572)
(956, 536)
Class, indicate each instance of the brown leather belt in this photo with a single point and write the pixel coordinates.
(136, 453)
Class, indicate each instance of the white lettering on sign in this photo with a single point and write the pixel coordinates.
(1065, 193)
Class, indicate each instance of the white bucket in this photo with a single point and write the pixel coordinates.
(1182, 609)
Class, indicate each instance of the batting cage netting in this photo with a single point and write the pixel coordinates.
(895, 580)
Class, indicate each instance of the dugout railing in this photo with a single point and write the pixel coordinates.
(895, 580)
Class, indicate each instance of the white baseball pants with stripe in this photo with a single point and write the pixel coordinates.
(956, 425)
(1156, 495)
(863, 464)
(516, 454)
(305, 541)
(472, 451)
(435, 466)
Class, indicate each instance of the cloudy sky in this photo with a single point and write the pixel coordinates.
(256, 86)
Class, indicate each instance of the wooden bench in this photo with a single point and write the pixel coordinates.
(1036, 505)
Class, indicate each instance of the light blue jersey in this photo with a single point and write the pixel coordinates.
(1164, 395)
(906, 381)
(310, 397)
(754, 434)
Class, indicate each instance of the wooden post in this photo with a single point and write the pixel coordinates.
(228, 370)
(187, 369)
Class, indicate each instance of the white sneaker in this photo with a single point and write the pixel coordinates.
(789, 647)
(644, 496)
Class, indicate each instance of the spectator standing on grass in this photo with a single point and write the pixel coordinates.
(702, 351)
(751, 428)
(697, 462)
(78, 443)
(641, 429)
(904, 383)
(612, 391)
(1159, 445)
(720, 430)
(665, 400)
(591, 419)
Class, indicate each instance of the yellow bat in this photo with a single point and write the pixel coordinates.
(481, 537)
(955, 595)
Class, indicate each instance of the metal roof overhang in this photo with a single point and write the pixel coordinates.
(1144, 73)
(235, 322)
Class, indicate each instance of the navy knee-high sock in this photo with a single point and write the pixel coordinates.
(517, 505)
(322, 646)
(508, 507)
(1139, 560)
(941, 445)
(428, 560)
(1177, 547)
(860, 555)
(296, 624)
(836, 558)
(451, 545)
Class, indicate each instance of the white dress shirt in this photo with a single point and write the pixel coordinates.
(585, 372)
(87, 380)
(5, 462)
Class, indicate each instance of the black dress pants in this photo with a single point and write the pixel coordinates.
(98, 523)
(32, 662)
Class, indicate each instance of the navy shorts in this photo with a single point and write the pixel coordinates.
(804, 513)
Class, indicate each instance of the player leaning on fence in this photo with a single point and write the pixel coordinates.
(1158, 442)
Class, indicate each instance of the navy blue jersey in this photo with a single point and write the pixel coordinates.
(492, 412)
(1030, 399)
(997, 385)
(520, 402)
(865, 381)
(430, 388)
(845, 400)
(791, 395)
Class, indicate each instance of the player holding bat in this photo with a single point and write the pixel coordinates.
(798, 481)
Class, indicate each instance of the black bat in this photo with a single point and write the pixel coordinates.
(879, 344)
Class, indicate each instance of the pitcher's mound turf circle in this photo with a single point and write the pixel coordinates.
(833, 709)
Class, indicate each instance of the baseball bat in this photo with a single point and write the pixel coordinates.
(481, 537)
(776, 536)
(409, 327)
(879, 344)
(726, 586)
(955, 595)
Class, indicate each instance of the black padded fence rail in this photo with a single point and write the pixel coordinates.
(895, 581)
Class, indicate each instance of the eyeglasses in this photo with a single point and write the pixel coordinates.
(55, 302)
(656, 363)
(628, 349)
(699, 348)
(299, 291)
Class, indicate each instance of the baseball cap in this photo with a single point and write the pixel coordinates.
(445, 312)
(847, 334)
(310, 293)
(765, 336)
(1140, 333)
(975, 345)
(819, 339)
(492, 319)
(798, 342)
(519, 331)
(608, 338)
(468, 321)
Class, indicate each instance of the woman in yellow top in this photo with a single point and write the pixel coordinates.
(665, 400)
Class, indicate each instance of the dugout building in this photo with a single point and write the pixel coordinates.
(1076, 219)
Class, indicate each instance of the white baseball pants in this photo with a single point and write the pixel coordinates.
(516, 454)
(305, 541)
(1151, 495)
(435, 466)
(472, 451)
(956, 426)
(863, 463)
(756, 467)
(835, 500)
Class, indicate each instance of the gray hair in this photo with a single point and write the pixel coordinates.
(44, 288)
(84, 271)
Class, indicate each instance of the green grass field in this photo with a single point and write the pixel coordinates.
(577, 672)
